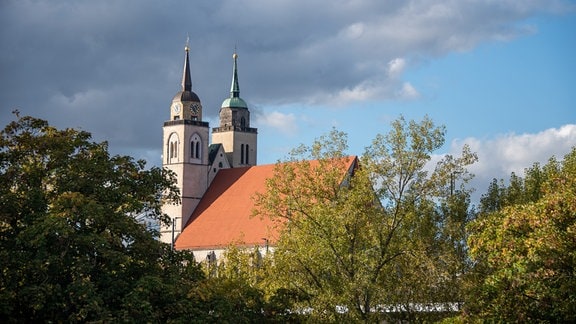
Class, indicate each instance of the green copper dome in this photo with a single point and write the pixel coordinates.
(234, 102)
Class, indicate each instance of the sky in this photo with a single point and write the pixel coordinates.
(500, 75)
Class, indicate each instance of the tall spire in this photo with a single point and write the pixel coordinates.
(186, 79)
(235, 88)
(234, 101)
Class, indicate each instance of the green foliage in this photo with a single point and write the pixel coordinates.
(389, 237)
(72, 247)
(524, 248)
(518, 191)
(236, 290)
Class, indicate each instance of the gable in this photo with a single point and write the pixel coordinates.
(217, 160)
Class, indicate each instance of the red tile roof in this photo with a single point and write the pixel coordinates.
(224, 215)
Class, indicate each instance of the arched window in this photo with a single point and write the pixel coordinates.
(195, 147)
(242, 122)
(172, 149)
(241, 153)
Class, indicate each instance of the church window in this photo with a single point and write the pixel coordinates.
(172, 154)
(195, 147)
(242, 122)
(247, 150)
(241, 153)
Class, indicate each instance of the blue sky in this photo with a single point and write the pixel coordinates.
(501, 93)
(500, 75)
(525, 85)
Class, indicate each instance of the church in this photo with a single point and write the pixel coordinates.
(216, 179)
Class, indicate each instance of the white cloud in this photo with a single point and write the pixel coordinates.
(408, 92)
(377, 89)
(500, 156)
(389, 86)
(363, 91)
(396, 67)
(285, 123)
(514, 152)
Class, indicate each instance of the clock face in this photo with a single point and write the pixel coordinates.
(195, 107)
(176, 107)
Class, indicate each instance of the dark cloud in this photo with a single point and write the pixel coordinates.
(112, 67)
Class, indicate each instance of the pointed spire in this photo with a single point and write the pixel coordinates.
(186, 79)
(235, 88)
(234, 101)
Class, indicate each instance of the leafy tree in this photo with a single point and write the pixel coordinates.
(236, 290)
(71, 244)
(525, 249)
(383, 242)
(518, 191)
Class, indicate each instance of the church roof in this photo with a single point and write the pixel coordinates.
(224, 215)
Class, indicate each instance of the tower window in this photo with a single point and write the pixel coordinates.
(247, 150)
(195, 147)
(241, 153)
(242, 122)
(172, 148)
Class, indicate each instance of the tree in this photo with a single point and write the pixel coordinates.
(71, 244)
(235, 290)
(525, 251)
(372, 243)
(518, 191)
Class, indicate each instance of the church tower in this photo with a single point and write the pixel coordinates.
(234, 133)
(185, 152)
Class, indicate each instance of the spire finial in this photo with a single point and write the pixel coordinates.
(235, 89)
(187, 46)
(186, 79)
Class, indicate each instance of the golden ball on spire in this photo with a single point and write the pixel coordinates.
(235, 56)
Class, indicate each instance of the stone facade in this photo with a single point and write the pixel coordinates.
(186, 150)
